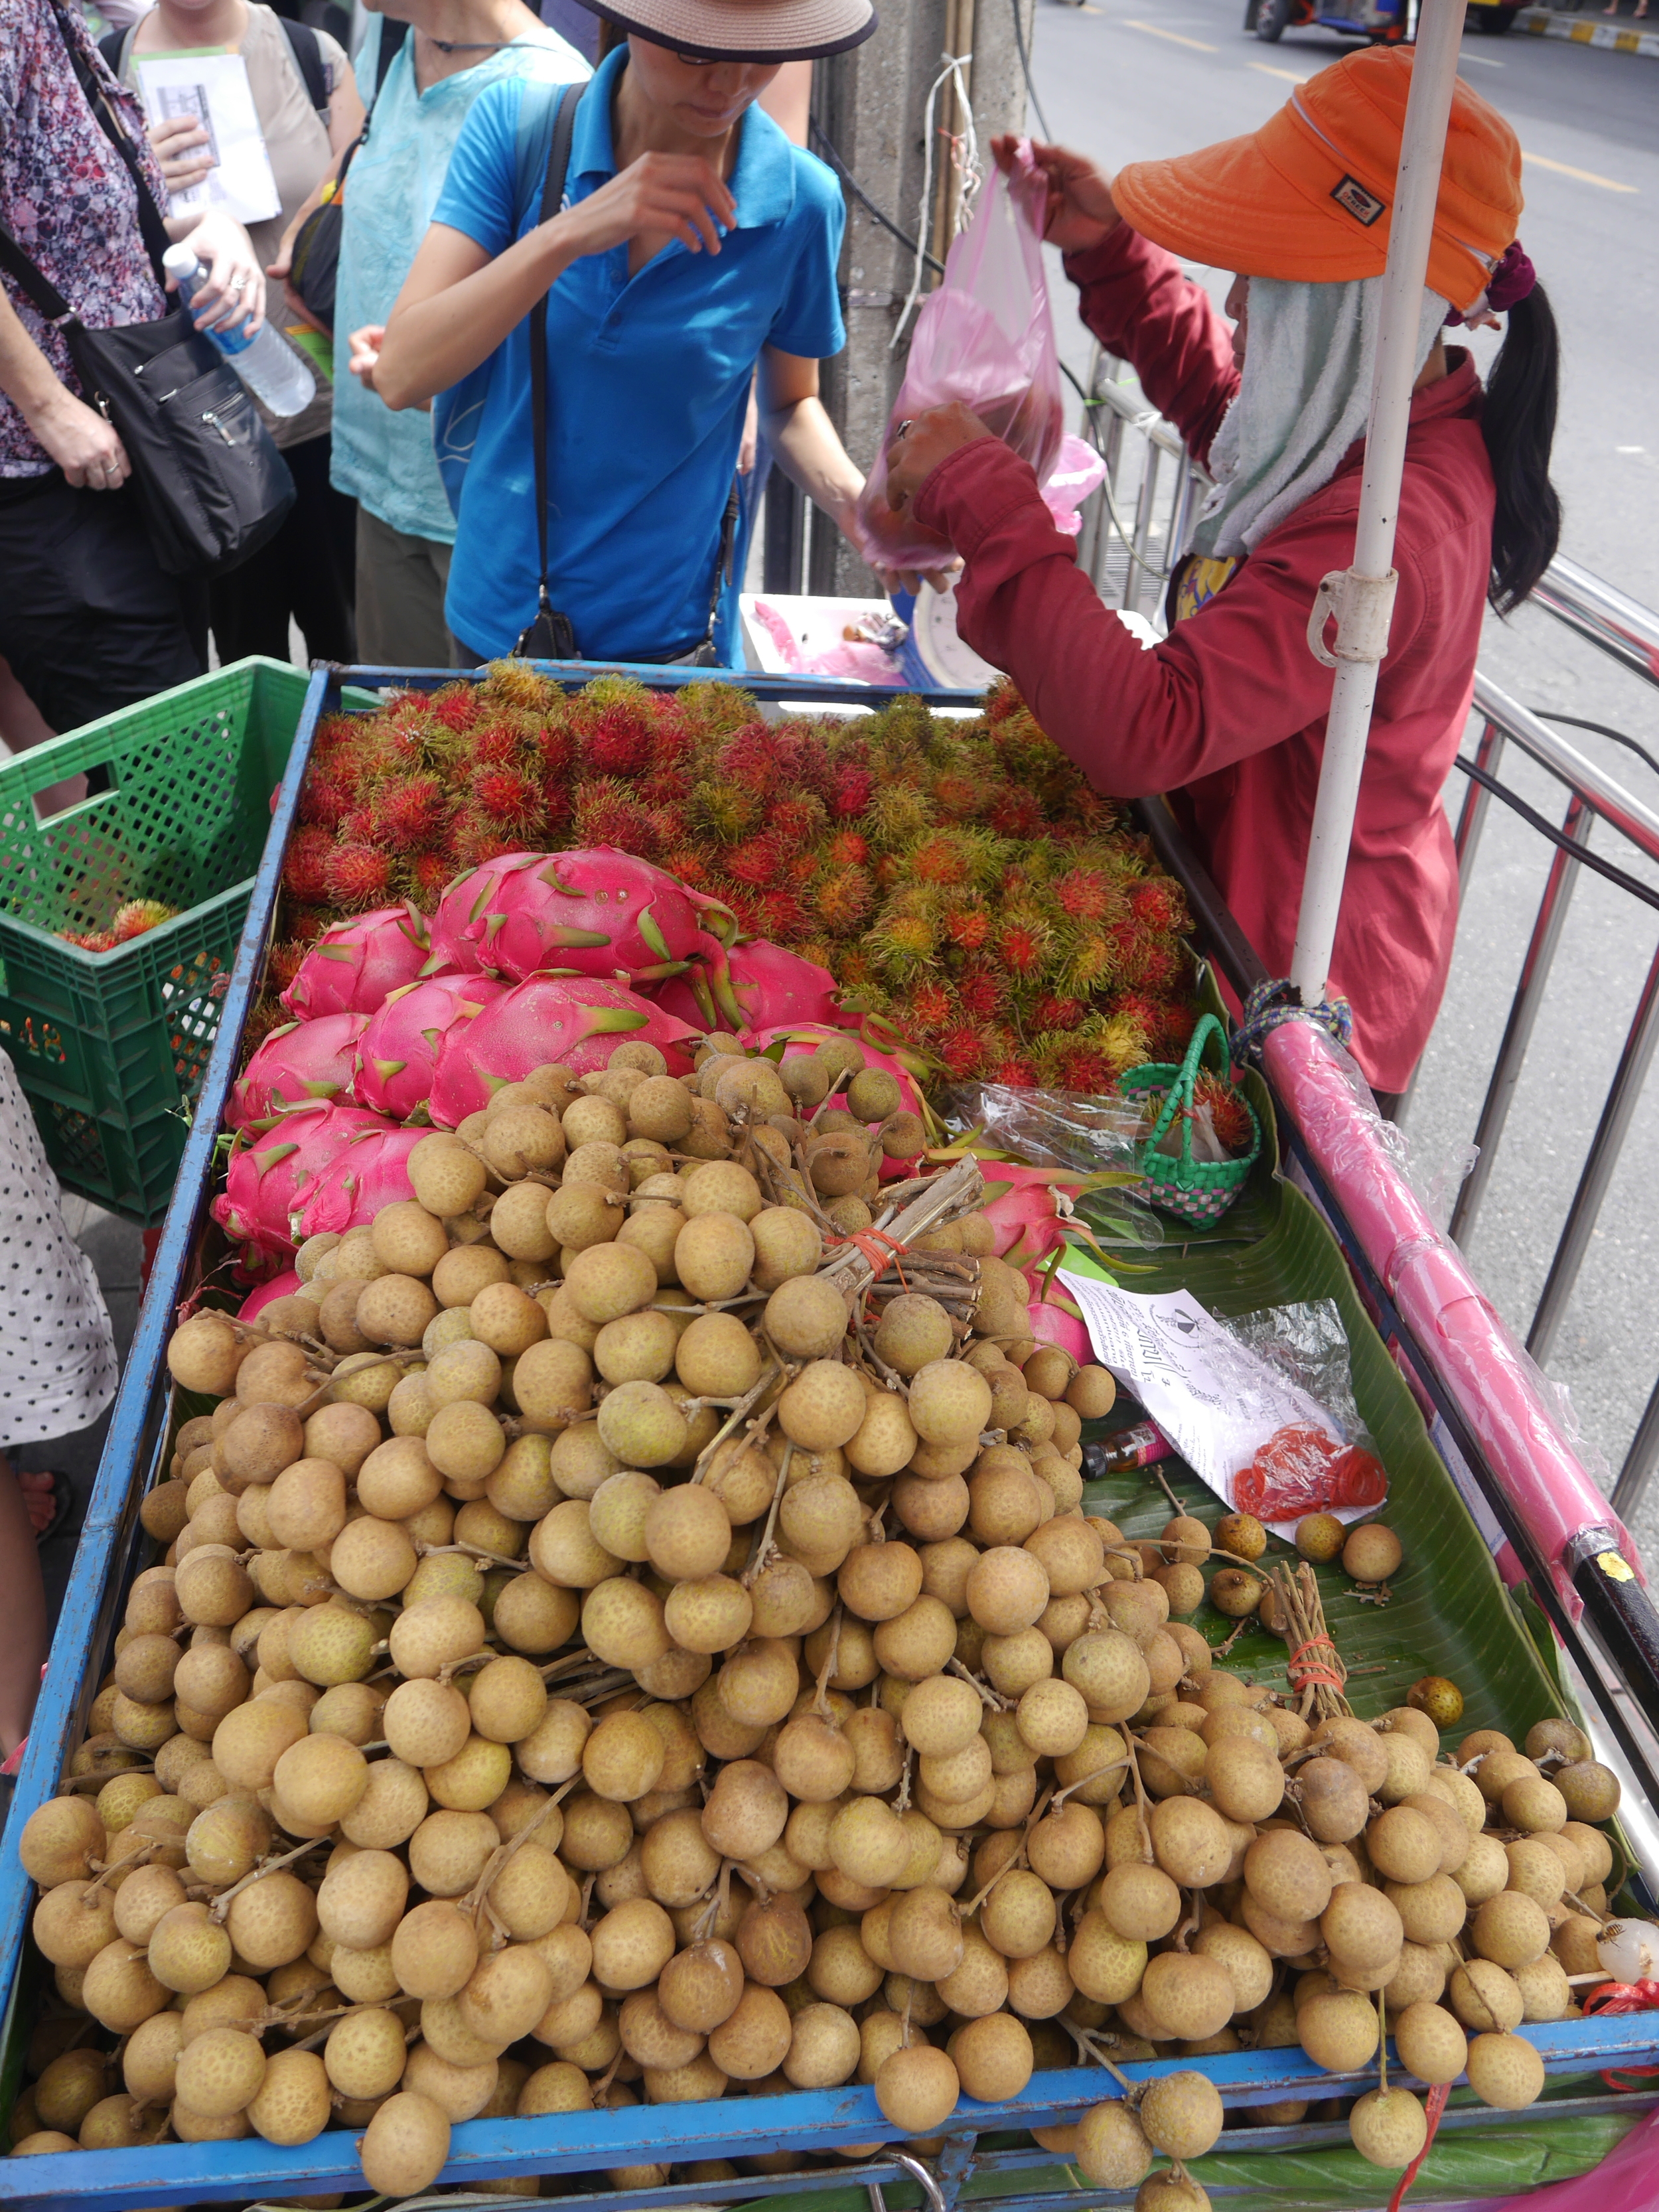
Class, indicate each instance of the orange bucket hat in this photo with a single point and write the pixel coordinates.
(1308, 198)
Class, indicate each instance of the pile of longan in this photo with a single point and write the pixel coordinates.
(602, 1653)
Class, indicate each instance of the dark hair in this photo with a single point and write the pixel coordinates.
(1517, 423)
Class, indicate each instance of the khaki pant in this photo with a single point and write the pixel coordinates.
(401, 580)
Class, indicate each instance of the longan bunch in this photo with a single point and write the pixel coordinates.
(616, 1640)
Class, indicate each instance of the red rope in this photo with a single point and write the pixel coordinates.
(1434, 2104)
(870, 1241)
(1624, 1996)
(1303, 1677)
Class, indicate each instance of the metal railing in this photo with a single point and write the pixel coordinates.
(1128, 557)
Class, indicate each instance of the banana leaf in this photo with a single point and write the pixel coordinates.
(1447, 1612)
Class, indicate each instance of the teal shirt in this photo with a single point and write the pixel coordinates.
(381, 458)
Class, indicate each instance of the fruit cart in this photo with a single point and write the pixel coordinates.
(1459, 1619)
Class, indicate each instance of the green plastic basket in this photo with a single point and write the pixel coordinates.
(1198, 1190)
(110, 1047)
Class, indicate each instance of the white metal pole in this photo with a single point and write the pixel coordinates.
(1362, 596)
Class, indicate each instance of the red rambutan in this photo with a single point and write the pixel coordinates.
(358, 876)
(430, 875)
(749, 758)
(688, 864)
(607, 814)
(554, 748)
(1021, 948)
(843, 900)
(1154, 964)
(410, 813)
(957, 797)
(305, 871)
(938, 859)
(847, 849)
(1051, 1012)
(357, 827)
(618, 741)
(980, 994)
(1228, 1116)
(758, 862)
(795, 819)
(1081, 1067)
(782, 918)
(507, 795)
(282, 964)
(325, 798)
(498, 744)
(1015, 1068)
(1157, 904)
(456, 707)
(967, 928)
(1085, 894)
(961, 1047)
(930, 1006)
(850, 791)
(476, 839)
(1016, 813)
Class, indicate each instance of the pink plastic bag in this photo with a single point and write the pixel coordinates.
(985, 337)
(1627, 2180)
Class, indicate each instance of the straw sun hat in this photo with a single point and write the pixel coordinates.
(745, 30)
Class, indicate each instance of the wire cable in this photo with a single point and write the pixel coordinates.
(1025, 67)
(1577, 722)
(1558, 838)
(828, 146)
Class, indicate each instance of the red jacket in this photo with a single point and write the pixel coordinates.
(1228, 713)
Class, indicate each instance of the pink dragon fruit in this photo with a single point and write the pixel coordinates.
(301, 1064)
(361, 1178)
(575, 1021)
(282, 1285)
(353, 965)
(753, 985)
(270, 1173)
(397, 1050)
(595, 912)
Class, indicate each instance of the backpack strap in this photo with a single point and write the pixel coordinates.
(307, 54)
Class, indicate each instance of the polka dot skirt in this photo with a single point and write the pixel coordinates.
(58, 1367)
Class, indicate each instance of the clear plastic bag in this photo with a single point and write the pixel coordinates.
(1065, 1129)
(985, 337)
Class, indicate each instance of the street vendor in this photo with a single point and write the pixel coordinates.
(1227, 714)
(695, 246)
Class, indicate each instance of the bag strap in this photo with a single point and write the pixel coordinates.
(392, 36)
(723, 558)
(151, 226)
(33, 282)
(558, 165)
(308, 60)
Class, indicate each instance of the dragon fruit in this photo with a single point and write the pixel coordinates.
(754, 985)
(363, 1177)
(282, 1285)
(301, 1064)
(270, 1173)
(594, 912)
(576, 1022)
(397, 1050)
(353, 965)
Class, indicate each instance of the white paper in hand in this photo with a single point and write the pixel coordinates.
(213, 90)
(1215, 1399)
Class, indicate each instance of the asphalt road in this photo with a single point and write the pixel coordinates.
(1125, 79)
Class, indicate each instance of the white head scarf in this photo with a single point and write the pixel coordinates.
(1304, 399)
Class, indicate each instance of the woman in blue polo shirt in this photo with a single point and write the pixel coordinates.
(695, 246)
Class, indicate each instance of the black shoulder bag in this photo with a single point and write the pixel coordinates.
(550, 636)
(210, 481)
(314, 268)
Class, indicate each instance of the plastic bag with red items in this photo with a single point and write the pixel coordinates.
(1302, 1470)
(985, 337)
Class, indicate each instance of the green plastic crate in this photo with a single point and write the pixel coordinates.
(110, 1047)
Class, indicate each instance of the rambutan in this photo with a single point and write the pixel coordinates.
(847, 849)
(1173, 1031)
(430, 875)
(456, 706)
(958, 796)
(1159, 904)
(689, 865)
(282, 964)
(1118, 1038)
(967, 927)
(1070, 1063)
(305, 870)
(898, 814)
(981, 993)
(750, 759)
(937, 859)
(139, 915)
(606, 813)
(554, 746)
(1154, 964)
(357, 827)
(930, 1006)
(1094, 959)
(1015, 813)
(358, 876)
(617, 740)
(801, 866)
(903, 941)
(1022, 945)
(723, 810)
(325, 798)
(961, 1047)
(781, 917)
(1228, 1116)
(507, 795)
(843, 899)
(759, 861)
(796, 819)
(1016, 1068)
(89, 941)
(850, 793)
(1085, 894)
(497, 743)
(1051, 1012)
(516, 683)
(410, 813)
(475, 840)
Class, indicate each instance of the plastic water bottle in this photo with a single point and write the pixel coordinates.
(272, 371)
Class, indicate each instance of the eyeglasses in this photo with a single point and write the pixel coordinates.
(699, 61)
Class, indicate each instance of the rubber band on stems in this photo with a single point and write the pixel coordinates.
(1433, 2105)
(870, 1241)
(1302, 1678)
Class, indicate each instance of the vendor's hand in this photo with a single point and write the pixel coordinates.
(919, 446)
(180, 144)
(83, 445)
(232, 295)
(366, 345)
(1081, 209)
(679, 194)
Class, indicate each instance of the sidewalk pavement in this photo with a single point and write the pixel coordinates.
(1588, 29)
